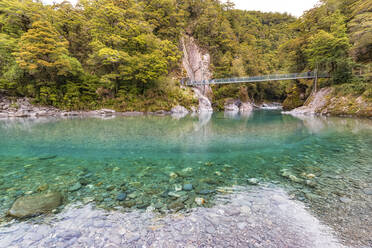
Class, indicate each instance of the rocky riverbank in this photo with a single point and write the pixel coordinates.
(22, 107)
(246, 217)
(326, 102)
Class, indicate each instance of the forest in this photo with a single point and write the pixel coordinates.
(126, 54)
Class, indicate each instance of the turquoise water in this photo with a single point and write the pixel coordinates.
(148, 157)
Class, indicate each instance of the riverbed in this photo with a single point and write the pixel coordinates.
(224, 180)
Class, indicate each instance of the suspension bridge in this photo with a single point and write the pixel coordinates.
(266, 78)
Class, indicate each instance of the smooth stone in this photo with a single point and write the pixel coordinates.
(177, 187)
(121, 197)
(110, 188)
(174, 194)
(42, 187)
(173, 175)
(253, 181)
(31, 205)
(133, 195)
(241, 225)
(210, 230)
(69, 234)
(311, 183)
(367, 191)
(75, 187)
(295, 179)
(142, 205)
(310, 176)
(345, 200)
(187, 187)
(129, 203)
(206, 192)
(84, 181)
(199, 201)
(176, 205)
(86, 200)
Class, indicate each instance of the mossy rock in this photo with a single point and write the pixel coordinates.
(292, 101)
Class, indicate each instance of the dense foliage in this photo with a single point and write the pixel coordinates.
(126, 53)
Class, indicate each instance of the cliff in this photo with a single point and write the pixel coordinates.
(196, 63)
(327, 102)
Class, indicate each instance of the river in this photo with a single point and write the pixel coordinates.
(138, 168)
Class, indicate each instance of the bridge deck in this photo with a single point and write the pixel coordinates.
(273, 77)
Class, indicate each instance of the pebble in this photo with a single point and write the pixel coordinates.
(69, 234)
(253, 181)
(311, 183)
(88, 199)
(294, 178)
(174, 194)
(177, 187)
(241, 225)
(110, 188)
(367, 191)
(187, 187)
(345, 200)
(132, 195)
(210, 229)
(176, 205)
(206, 192)
(43, 187)
(75, 187)
(200, 201)
(121, 196)
(173, 175)
(310, 176)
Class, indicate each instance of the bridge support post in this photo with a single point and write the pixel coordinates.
(315, 88)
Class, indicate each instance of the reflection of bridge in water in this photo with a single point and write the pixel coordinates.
(273, 77)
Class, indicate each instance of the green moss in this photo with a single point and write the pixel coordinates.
(293, 99)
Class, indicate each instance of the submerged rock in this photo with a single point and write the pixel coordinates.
(200, 201)
(176, 205)
(31, 205)
(75, 187)
(187, 187)
(206, 192)
(121, 197)
(42, 188)
(177, 187)
(253, 181)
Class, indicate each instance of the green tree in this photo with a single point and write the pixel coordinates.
(43, 54)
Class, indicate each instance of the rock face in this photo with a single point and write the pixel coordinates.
(238, 107)
(316, 102)
(246, 107)
(179, 110)
(231, 108)
(325, 102)
(27, 206)
(196, 63)
(22, 107)
(204, 103)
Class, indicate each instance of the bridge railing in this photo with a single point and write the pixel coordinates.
(272, 77)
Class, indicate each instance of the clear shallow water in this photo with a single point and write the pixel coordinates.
(317, 160)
